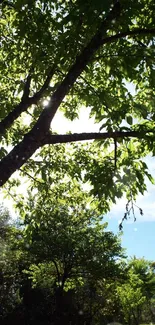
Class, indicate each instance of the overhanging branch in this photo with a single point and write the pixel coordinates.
(65, 138)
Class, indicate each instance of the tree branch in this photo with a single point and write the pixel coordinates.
(26, 91)
(26, 102)
(57, 270)
(81, 62)
(134, 32)
(12, 116)
(37, 96)
(115, 154)
(75, 71)
(65, 138)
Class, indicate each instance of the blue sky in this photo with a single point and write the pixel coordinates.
(138, 237)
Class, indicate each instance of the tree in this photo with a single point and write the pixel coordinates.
(132, 299)
(76, 53)
(136, 294)
(67, 229)
(71, 248)
(145, 271)
(60, 258)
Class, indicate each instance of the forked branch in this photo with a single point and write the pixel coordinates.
(26, 101)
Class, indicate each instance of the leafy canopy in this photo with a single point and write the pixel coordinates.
(79, 54)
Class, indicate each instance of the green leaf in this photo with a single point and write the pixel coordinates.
(129, 119)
